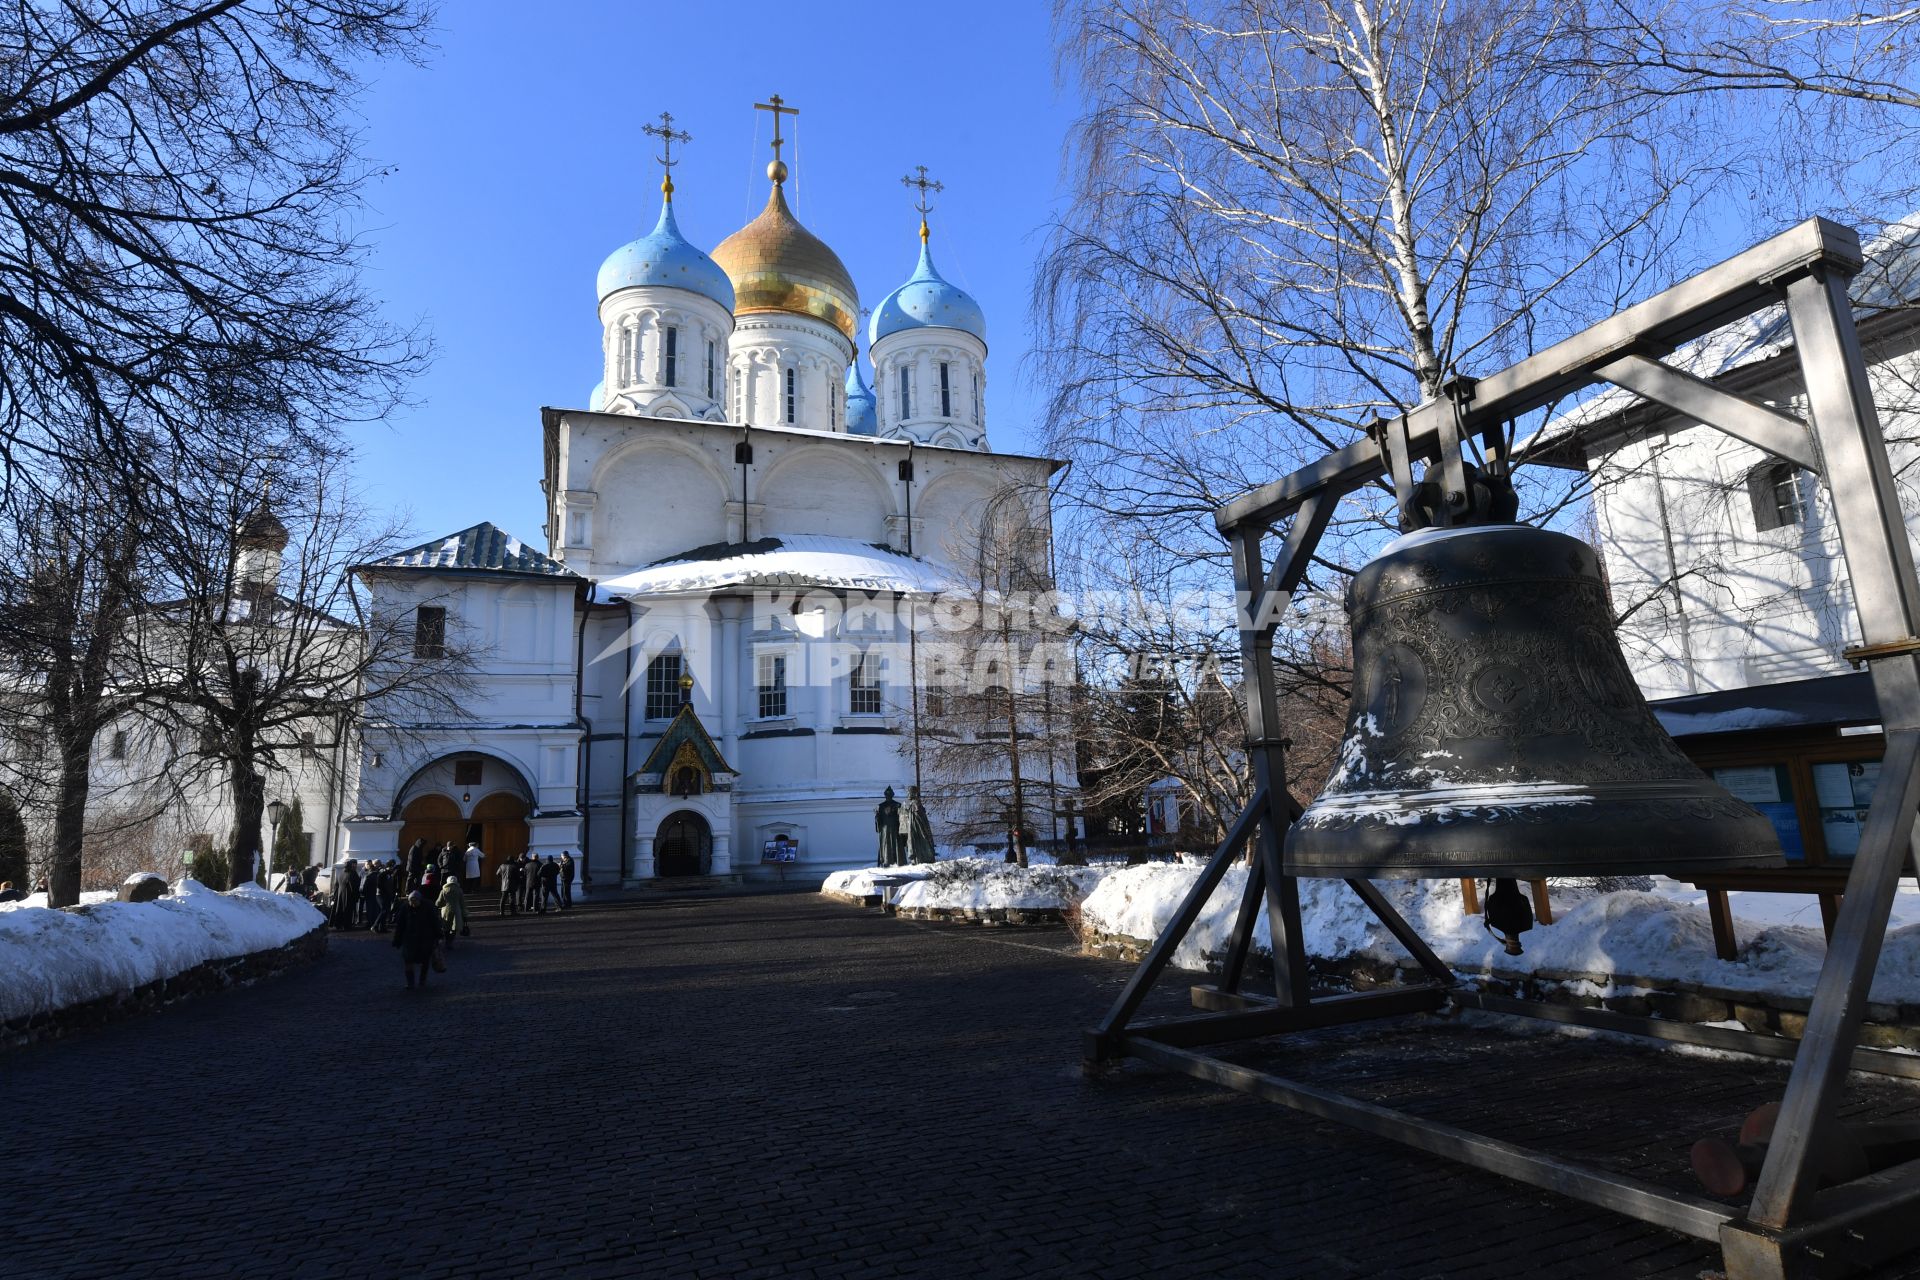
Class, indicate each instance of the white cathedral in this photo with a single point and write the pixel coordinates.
(707, 657)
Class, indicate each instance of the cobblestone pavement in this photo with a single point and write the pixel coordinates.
(748, 1086)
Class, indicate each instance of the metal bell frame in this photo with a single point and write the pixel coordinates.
(1791, 1227)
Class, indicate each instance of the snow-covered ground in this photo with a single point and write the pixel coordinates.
(52, 959)
(1659, 936)
(88, 898)
(858, 882)
(981, 884)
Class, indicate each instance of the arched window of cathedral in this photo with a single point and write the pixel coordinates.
(906, 394)
(673, 357)
(976, 397)
(1774, 489)
(833, 406)
(792, 398)
(946, 393)
(623, 371)
(709, 368)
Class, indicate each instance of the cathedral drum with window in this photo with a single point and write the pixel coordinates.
(710, 659)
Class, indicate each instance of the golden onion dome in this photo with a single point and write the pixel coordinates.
(778, 265)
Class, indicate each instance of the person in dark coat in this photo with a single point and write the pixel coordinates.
(10, 894)
(416, 931)
(509, 875)
(566, 879)
(549, 883)
(416, 864)
(386, 889)
(346, 895)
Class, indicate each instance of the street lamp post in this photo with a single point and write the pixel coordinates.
(276, 810)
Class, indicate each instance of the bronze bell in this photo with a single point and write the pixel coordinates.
(1496, 731)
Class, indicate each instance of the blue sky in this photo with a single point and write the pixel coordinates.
(518, 165)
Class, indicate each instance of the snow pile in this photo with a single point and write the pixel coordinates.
(981, 884)
(53, 959)
(1650, 937)
(87, 899)
(858, 883)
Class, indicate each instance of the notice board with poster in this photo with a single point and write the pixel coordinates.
(1814, 784)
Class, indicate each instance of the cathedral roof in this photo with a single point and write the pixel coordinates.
(776, 264)
(927, 301)
(484, 548)
(665, 259)
(793, 560)
(685, 730)
(863, 410)
(261, 528)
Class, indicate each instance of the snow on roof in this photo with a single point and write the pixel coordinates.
(1847, 698)
(1890, 278)
(483, 548)
(793, 560)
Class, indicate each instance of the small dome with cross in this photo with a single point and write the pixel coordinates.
(663, 258)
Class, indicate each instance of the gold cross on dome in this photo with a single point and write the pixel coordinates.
(668, 135)
(922, 202)
(777, 105)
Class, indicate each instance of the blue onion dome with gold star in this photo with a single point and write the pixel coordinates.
(863, 410)
(927, 301)
(665, 259)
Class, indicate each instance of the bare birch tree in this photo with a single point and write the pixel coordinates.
(1292, 217)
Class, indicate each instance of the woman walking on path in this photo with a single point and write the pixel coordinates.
(452, 904)
(416, 932)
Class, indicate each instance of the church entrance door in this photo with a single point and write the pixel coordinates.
(684, 846)
(501, 822)
(433, 818)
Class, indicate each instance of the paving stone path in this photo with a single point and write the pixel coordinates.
(770, 1086)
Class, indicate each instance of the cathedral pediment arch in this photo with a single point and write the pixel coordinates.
(640, 446)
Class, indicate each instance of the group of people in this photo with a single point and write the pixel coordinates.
(529, 882)
(422, 897)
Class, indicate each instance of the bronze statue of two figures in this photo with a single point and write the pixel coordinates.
(1496, 732)
(905, 831)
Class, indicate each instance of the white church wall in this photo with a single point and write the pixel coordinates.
(810, 487)
(907, 386)
(635, 323)
(659, 495)
(1752, 605)
(763, 347)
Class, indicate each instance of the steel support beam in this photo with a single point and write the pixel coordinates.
(1904, 1066)
(1675, 1210)
(1737, 287)
(1873, 536)
(1761, 426)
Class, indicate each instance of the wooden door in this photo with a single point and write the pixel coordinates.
(434, 818)
(502, 820)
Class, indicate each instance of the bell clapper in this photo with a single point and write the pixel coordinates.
(1508, 914)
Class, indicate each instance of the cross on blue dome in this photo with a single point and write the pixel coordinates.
(663, 258)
